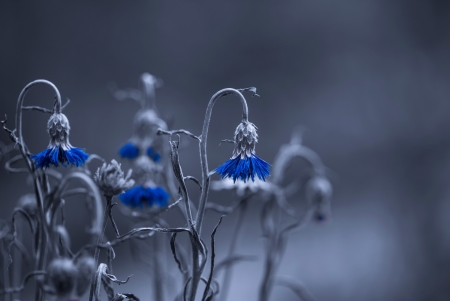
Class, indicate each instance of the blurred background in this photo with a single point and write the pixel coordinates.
(369, 80)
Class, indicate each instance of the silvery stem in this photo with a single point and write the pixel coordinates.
(228, 270)
(203, 155)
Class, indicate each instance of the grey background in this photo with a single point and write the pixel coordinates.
(368, 79)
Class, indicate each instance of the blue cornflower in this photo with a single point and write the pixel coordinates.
(129, 151)
(59, 149)
(139, 196)
(153, 155)
(244, 164)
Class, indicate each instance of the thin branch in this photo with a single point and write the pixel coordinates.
(226, 141)
(12, 133)
(298, 288)
(195, 180)
(170, 133)
(13, 290)
(65, 105)
(37, 108)
(213, 256)
(13, 160)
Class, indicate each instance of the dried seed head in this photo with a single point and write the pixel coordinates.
(111, 180)
(58, 128)
(62, 275)
(245, 139)
(86, 269)
(28, 203)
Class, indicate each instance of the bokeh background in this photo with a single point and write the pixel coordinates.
(369, 80)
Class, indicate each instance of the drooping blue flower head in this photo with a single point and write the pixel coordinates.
(153, 155)
(59, 149)
(140, 196)
(129, 151)
(244, 164)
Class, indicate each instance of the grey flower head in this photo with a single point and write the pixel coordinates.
(144, 168)
(111, 180)
(86, 269)
(62, 275)
(145, 124)
(245, 139)
(58, 128)
(28, 203)
(318, 192)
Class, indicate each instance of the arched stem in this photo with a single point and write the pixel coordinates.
(24, 92)
(203, 155)
(42, 229)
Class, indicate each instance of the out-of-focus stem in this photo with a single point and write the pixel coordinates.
(228, 270)
(99, 241)
(158, 272)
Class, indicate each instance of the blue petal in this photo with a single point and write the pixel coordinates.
(244, 169)
(134, 197)
(46, 158)
(53, 156)
(139, 196)
(129, 151)
(74, 156)
(160, 197)
(152, 154)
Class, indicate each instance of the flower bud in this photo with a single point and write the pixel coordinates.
(58, 128)
(111, 180)
(28, 203)
(245, 139)
(62, 275)
(318, 192)
(86, 269)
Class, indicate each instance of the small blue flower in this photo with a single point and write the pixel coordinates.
(52, 156)
(244, 164)
(153, 155)
(244, 169)
(129, 151)
(139, 196)
(59, 149)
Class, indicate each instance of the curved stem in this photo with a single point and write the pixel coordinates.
(19, 113)
(203, 155)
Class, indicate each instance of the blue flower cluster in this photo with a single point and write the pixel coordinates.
(131, 151)
(139, 196)
(244, 169)
(53, 156)
(153, 155)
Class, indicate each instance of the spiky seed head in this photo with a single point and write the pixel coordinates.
(111, 179)
(62, 275)
(245, 139)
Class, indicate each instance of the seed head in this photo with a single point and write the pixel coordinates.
(245, 139)
(111, 180)
(86, 269)
(62, 275)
